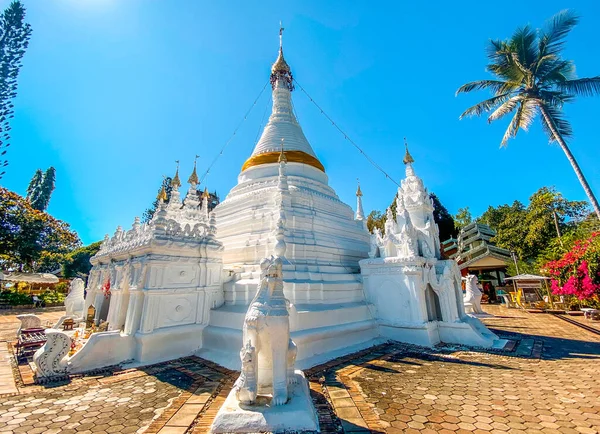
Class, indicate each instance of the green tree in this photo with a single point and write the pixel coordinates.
(46, 190)
(40, 188)
(532, 78)
(149, 213)
(78, 261)
(549, 214)
(511, 228)
(33, 189)
(533, 229)
(31, 240)
(462, 218)
(443, 218)
(376, 220)
(14, 39)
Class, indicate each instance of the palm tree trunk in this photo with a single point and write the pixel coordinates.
(571, 158)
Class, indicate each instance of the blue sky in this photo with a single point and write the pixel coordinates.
(113, 91)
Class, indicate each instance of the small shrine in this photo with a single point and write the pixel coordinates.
(417, 296)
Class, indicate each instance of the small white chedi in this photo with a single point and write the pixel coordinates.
(188, 282)
(416, 296)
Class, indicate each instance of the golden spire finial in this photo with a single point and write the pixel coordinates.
(358, 191)
(282, 157)
(193, 179)
(280, 64)
(176, 182)
(162, 194)
(205, 195)
(408, 159)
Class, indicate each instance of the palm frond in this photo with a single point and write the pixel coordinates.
(528, 114)
(562, 126)
(501, 63)
(522, 44)
(514, 125)
(552, 38)
(556, 71)
(497, 86)
(485, 106)
(506, 107)
(582, 86)
(555, 98)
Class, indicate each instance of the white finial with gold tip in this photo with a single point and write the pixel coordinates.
(408, 160)
(360, 214)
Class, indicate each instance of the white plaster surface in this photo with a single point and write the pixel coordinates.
(297, 415)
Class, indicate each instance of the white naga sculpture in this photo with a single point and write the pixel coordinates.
(269, 354)
(473, 295)
(50, 360)
(75, 300)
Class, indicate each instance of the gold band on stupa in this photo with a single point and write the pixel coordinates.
(290, 156)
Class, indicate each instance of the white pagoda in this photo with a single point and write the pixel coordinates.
(325, 243)
(182, 283)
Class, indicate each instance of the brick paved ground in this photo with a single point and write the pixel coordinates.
(549, 382)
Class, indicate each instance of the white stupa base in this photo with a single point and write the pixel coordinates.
(298, 414)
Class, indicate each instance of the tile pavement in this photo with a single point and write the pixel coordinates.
(547, 381)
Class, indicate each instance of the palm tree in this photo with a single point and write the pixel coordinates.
(532, 78)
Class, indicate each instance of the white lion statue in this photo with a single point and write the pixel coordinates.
(74, 303)
(472, 299)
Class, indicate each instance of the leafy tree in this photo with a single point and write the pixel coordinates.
(533, 79)
(31, 240)
(511, 229)
(213, 200)
(149, 213)
(78, 261)
(462, 218)
(533, 229)
(443, 218)
(493, 217)
(376, 219)
(14, 39)
(549, 214)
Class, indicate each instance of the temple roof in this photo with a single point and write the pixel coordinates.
(282, 124)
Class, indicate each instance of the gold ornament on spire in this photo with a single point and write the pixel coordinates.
(280, 64)
(162, 194)
(205, 195)
(408, 159)
(193, 179)
(282, 157)
(358, 190)
(176, 182)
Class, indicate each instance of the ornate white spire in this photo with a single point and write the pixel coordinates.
(360, 214)
(174, 200)
(193, 179)
(282, 123)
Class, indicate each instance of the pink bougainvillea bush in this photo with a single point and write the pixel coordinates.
(577, 273)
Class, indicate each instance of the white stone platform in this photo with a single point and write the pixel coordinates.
(297, 415)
